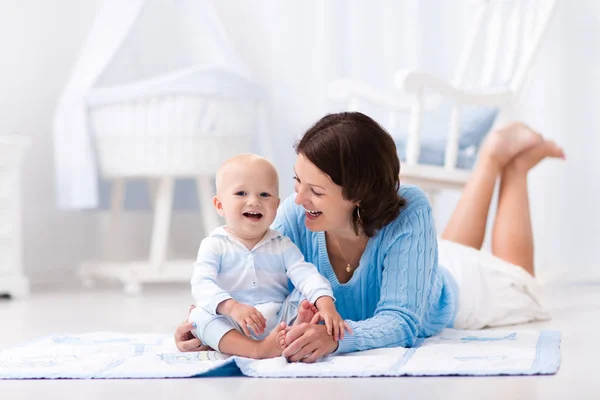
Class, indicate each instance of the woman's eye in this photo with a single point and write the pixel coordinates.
(240, 193)
(265, 194)
(296, 179)
(315, 193)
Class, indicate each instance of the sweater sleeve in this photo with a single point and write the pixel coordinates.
(408, 265)
(205, 291)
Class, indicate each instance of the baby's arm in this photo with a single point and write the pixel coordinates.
(314, 287)
(205, 291)
(303, 275)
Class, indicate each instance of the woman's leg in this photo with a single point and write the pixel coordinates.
(512, 238)
(468, 221)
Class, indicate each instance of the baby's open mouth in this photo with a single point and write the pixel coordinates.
(253, 216)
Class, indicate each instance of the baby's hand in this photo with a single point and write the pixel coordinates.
(333, 320)
(245, 315)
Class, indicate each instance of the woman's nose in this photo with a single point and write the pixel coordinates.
(299, 197)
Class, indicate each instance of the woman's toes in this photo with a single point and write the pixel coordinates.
(502, 145)
(531, 157)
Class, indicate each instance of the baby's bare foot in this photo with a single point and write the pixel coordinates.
(306, 312)
(531, 157)
(503, 144)
(270, 346)
(281, 339)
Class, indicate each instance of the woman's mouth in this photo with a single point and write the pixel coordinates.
(253, 216)
(312, 215)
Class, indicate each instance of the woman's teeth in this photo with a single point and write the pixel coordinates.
(313, 213)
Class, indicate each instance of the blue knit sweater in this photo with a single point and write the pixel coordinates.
(398, 293)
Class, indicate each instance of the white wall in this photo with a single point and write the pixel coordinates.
(280, 42)
(39, 42)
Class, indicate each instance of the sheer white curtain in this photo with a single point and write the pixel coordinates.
(76, 173)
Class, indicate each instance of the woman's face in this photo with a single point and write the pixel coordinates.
(324, 206)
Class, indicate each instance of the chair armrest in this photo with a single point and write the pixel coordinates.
(414, 82)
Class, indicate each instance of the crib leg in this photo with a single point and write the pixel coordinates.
(152, 193)
(117, 197)
(210, 219)
(162, 220)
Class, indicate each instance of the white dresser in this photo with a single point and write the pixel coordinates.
(12, 279)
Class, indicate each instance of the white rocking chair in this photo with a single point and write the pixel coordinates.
(501, 43)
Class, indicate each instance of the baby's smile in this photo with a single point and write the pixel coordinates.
(253, 216)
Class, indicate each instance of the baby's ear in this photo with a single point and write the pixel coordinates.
(218, 206)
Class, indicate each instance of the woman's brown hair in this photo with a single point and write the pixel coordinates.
(360, 156)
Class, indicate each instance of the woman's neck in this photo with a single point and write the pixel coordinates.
(347, 235)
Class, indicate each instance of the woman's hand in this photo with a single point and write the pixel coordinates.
(308, 343)
(185, 340)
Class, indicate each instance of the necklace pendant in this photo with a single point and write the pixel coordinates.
(348, 268)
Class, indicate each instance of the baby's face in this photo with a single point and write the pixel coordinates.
(248, 199)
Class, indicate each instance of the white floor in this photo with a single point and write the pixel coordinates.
(576, 310)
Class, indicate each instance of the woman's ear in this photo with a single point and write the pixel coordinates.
(218, 206)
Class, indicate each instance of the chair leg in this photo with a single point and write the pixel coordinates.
(210, 219)
(162, 219)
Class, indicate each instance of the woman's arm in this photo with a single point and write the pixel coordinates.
(408, 267)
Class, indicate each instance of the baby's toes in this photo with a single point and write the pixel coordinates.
(281, 340)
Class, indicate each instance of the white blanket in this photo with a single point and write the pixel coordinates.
(118, 355)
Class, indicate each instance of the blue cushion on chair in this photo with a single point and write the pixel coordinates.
(475, 123)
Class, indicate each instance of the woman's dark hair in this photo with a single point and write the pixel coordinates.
(360, 156)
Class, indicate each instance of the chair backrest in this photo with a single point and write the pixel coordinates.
(502, 42)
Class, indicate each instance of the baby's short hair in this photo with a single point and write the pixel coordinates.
(248, 159)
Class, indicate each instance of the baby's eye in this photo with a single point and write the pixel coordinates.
(240, 193)
(265, 194)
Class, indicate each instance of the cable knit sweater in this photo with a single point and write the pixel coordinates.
(398, 293)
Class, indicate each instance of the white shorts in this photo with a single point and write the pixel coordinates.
(492, 292)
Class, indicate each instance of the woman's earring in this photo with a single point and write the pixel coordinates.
(358, 213)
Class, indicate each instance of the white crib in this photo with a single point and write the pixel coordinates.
(179, 126)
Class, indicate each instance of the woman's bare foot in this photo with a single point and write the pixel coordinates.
(503, 144)
(306, 312)
(531, 157)
(270, 346)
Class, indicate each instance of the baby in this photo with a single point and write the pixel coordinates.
(240, 278)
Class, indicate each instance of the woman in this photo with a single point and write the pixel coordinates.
(376, 243)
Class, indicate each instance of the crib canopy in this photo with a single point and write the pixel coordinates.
(136, 48)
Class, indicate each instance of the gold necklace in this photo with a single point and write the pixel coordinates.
(348, 266)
